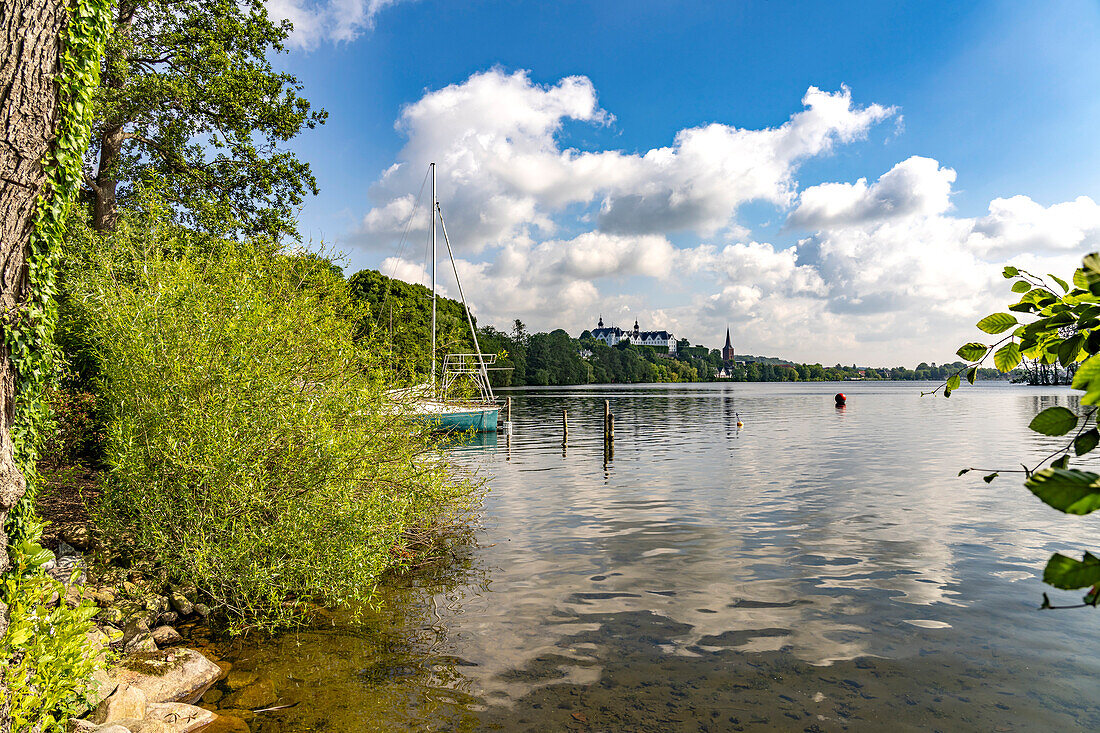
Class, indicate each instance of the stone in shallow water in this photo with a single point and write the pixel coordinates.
(172, 675)
(257, 695)
(239, 678)
(183, 718)
(227, 724)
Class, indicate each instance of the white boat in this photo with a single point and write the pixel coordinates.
(481, 413)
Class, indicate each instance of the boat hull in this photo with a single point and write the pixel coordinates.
(479, 420)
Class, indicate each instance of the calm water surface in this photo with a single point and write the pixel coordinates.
(819, 569)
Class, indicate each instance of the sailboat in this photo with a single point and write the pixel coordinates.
(479, 413)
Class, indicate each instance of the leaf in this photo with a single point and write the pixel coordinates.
(1069, 574)
(1087, 378)
(972, 351)
(953, 383)
(1054, 421)
(1092, 343)
(1010, 272)
(965, 470)
(1067, 352)
(1086, 441)
(972, 374)
(1066, 489)
(1079, 279)
(997, 322)
(989, 479)
(1021, 286)
(1061, 283)
(1091, 265)
(1007, 358)
(1061, 461)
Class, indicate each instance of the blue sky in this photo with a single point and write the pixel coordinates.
(997, 100)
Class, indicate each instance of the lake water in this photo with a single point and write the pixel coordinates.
(818, 569)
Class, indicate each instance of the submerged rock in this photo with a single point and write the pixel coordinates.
(257, 695)
(181, 717)
(173, 675)
(227, 724)
(238, 678)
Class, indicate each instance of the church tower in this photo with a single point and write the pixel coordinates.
(727, 350)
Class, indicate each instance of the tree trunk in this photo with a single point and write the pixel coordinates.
(30, 35)
(105, 187)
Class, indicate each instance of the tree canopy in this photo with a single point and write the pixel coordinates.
(190, 101)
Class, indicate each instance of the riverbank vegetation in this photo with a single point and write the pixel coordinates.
(249, 441)
(401, 320)
(214, 420)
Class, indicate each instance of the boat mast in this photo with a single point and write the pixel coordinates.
(469, 317)
(432, 166)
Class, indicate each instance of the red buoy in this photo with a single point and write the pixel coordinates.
(840, 399)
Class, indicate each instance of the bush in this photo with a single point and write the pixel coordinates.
(250, 445)
(45, 662)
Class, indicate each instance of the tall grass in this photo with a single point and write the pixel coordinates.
(250, 444)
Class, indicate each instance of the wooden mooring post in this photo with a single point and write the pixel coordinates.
(564, 427)
(608, 431)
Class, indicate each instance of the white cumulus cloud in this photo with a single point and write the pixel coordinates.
(326, 21)
(885, 271)
(504, 173)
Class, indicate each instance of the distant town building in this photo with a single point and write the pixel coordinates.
(727, 350)
(614, 334)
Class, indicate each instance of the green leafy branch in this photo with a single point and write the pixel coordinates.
(1064, 330)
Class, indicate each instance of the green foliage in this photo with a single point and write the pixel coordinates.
(1054, 421)
(29, 336)
(1086, 441)
(1066, 489)
(251, 445)
(190, 96)
(997, 323)
(972, 351)
(47, 659)
(1069, 574)
(1064, 331)
(43, 653)
(398, 316)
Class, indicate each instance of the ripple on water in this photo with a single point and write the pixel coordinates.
(713, 578)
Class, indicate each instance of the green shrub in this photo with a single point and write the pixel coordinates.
(46, 663)
(250, 444)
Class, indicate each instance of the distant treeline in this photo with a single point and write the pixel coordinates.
(400, 318)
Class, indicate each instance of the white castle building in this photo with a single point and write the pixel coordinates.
(613, 335)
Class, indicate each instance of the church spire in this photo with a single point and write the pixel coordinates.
(727, 350)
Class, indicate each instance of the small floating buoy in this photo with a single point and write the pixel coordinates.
(739, 423)
(840, 399)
